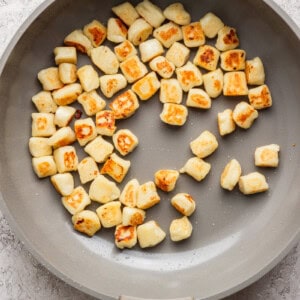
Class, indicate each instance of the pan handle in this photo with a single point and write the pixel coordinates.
(123, 297)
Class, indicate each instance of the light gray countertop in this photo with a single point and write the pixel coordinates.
(23, 277)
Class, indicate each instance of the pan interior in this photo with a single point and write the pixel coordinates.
(235, 237)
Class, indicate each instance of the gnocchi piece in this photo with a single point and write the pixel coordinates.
(168, 34)
(77, 201)
(226, 123)
(230, 175)
(244, 115)
(162, 67)
(64, 115)
(44, 102)
(227, 39)
(44, 166)
(207, 57)
(189, 76)
(180, 229)
(111, 84)
(67, 94)
(116, 167)
(116, 30)
(125, 50)
(86, 222)
(174, 114)
(62, 137)
(49, 78)
(151, 13)
(110, 214)
(139, 31)
(99, 149)
(260, 97)
(196, 168)
(79, 40)
(96, 32)
(213, 83)
(184, 203)
(150, 49)
(124, 105)
(175, 12)
(128, 195)
(85, 130)
(235, 84)
(88, 78)
(211, 25)
(65, 55)
(133, 69)
(170, 91)
(63, 183)
(66, 159)
(125, 141)
(178, 54)
(105, 122)
(150, 234)
(67, 73)
(147, 86)
(198, 98)
(253, 183)
(233, 60)
(91, 102)
(267, 156)
(133, 216)
(38, 146)
(125, 236)
(147, 195)
(193, 35)
(103, 190)
(255, 73)
(166, 179)
(204, 145)
(87, 170)
(126, 12)
(105, 59)
(42, 124)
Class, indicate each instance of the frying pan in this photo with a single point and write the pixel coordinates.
(236, 239)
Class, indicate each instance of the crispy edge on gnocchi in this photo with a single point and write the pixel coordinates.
(174, 114)
(77, 201)
(125, 236)
(128, 196)
(166, 179)
(86, 222)
(116, 167)
(124, 105)
(184, 203)
(125, 141)
(231, 175)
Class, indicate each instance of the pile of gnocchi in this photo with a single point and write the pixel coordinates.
(152, 53)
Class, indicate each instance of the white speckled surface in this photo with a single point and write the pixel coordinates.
(23, 277)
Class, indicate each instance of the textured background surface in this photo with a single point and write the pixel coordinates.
(23, 277)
